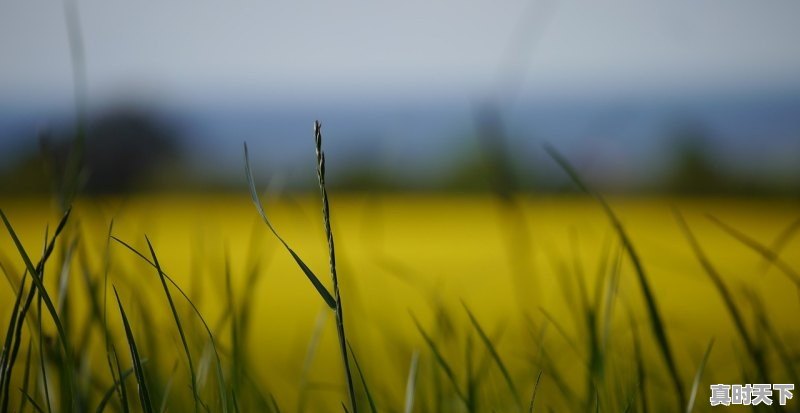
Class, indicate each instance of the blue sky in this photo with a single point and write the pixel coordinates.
(211, 50)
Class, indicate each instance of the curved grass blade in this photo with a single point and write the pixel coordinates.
(30, 399)
(760, 248)
(726, 295)
(411, 383)
(138, 368)
(533, 394)
(220, 377)
(37, 281)
(323, 292)
(113, 389)
(495, 355)
(656, 322)
(448, 371)
(177, 319)
(371, 401)
(699, 376)
(26, 377)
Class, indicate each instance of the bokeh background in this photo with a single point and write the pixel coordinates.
(434, 116)
(669, 97)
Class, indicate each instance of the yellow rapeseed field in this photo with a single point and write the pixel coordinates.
(405, 256)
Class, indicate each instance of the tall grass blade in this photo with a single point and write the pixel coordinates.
(326, 220)
(36, 277)
(495, 355)
(448, 371)
(411, 383)
(177, 319)
(26, 377)
(138, 368)
(699, 376)
(756, 246)
(220, 377)
(371, 401)
(323, 292)
(656, 322)
(113, 389)
(30, 399)
(727, 297)
(533, 393)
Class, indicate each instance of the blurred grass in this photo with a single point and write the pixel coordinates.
(449, 249)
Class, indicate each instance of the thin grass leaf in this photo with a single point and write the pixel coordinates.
(138, 368)
(699, 376)
(168, 388)
(533, 393)
(26, 377)
(760, 248)
(177, 319)
(30, 399)
(411, 383)
(448, 371)
(313, 345)
(495, 355)
(326, 220)
(780, 242)
(36, 278)
(323, 292)
(728, 299)
(220, 377)
(371, 401)
(656, 322)
(113, 389)
(275, 404)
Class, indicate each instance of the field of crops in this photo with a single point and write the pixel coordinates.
(501, 291)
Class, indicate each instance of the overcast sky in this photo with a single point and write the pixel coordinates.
(207, 50)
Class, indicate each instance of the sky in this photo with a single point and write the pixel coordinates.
(177, 51)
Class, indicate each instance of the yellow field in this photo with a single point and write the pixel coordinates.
(413, 254)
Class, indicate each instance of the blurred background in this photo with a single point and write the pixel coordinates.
(667, 97)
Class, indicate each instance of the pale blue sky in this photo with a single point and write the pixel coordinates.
(207, 50)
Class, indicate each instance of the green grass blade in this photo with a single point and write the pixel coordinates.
(699, 376)
(533, 393)
(323, 292)
(780, 242)
(26, 377)
(220, 376)
(756, 246)
(177, 319)
(113, 389)
(411, 383)
(448, 371)
(495, 355)
(30, 399)
(371, 401)
(656, 322)
(36, 278)
(144, 393)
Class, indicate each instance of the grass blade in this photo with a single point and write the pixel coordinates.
(177, 319)
(495, 355)
(699, 376)
(756, 246)
(326, 220)
(36, 277)
(448, 371)
(113, 389)
(30, 399)
(144, 393)
(656, 323)
(533, 394)
(371, 401)
(323, 292)
(220, 377)
(411, 383)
